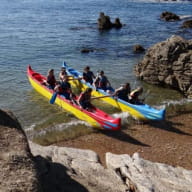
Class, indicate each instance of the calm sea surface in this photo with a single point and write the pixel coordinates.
(44, 33)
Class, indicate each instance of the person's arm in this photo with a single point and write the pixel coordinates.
(93, 76)
(80, 99)
(60, 76)
(56, 89)
(117, 90)
(108, 82)
(95, 82)
(47, 81)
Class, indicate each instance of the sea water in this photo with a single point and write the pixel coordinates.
(44, 33)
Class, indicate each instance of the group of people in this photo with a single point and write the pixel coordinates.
(62, 86)
(100, 81)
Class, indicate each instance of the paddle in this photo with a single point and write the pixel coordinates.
(52, 100)
(102, 96)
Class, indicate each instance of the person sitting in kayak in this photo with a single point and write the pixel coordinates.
(62, 73)
(50, 80)
(88, 75)
(102, 82)
(64, 88)
(123, 92)
(134, 96)
(84, 99)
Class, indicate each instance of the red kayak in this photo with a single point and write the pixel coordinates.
(96, 117)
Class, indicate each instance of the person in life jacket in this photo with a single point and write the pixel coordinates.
(102, 82)
(62, 73)
(50, 80)
(134, 96)
(88, 75)
(64, 88)
(123, 92)
(84, 99)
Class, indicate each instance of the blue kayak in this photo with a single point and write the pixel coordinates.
(138, 111)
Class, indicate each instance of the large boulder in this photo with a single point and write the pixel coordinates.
(122, 173)
(145, 176)
(17, 167)
(168, 63)
(82, 166)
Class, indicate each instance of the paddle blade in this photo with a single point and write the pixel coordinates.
(52, 100)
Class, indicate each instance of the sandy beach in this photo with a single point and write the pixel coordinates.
(168, 141)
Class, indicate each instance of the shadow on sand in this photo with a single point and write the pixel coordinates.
(168, 126)
(120, 135)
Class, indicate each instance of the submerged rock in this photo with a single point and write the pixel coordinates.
(138, 49)
(187, 24)
(168, 63)
(117, 24)
(86, 50)
(168, 16)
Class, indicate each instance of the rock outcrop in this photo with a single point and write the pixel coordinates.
(83, 166)
(168, 63)
(61, 169)
(187, 24)
(123, 172)
(17, 167)
(142, 175)
(168, 16)
(138, 49)
(104, 22)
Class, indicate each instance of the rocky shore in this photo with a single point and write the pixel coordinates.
(61, 168)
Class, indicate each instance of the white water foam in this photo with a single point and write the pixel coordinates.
(124, 117)
(167, 103)
(31, 132)
(185, 16)
(162, 1)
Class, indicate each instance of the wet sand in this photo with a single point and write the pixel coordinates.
(168, 141)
